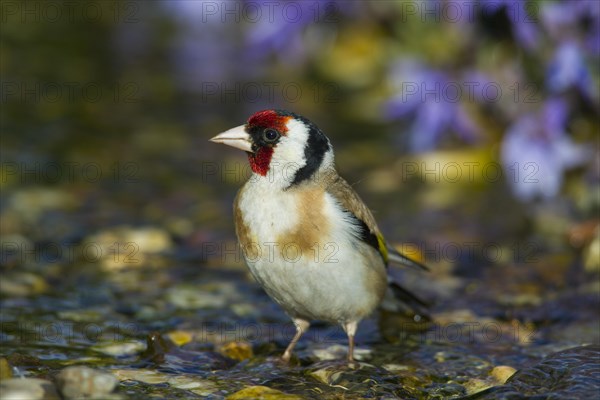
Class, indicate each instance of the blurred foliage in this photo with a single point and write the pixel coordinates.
(137, 88)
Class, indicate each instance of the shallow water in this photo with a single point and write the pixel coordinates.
(184, 323)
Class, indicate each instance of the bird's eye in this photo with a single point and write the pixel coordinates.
(270, 135)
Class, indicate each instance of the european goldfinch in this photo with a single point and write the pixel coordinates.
(306, 236)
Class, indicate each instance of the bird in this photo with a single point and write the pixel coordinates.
(306, 235)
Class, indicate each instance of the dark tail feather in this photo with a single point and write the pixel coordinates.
(396, 257)
(416, 305)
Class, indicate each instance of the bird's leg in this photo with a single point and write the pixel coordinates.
(301, 327)
(350, 328)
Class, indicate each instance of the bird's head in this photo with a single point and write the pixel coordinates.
(283, 146)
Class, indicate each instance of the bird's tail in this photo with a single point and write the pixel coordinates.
(402, 314)
(394, 256)
(408, 303)
(400, 300)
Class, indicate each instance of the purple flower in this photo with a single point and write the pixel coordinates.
(568, 69)
(558, 17)
(536, 152)
(523, 24)
(565, 20)
(279, 31)
(205, 46)
(432, 100)
(281, 26)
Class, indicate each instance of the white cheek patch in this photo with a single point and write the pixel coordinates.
(288, 157)
(291, 147)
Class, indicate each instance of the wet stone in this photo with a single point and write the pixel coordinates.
(501, 373)
(141, 375)
(86, 315)
(445, 390)
(340, 372)
(245, 309)
(262, 393)
(476, 385)
(83, 382)
(358, 380)
(31, 203)
(180, 338)
(5, 369)
(120, 349)
(22, 284)
(195, 385)
(148, 313)
(125, 247)
(239, 351)
(497, 376)
(27, 389)
(340, 352)
(397, 367)
(193, 297)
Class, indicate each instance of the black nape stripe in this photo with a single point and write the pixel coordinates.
(314, 151)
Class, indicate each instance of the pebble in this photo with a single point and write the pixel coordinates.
(83, 382)
(396, 367)
(149, 376)
(125, 247)
(19, 284)
(476, 385)
(520, 299)
(245, 309)
(31, 203)
(339, 372)
(340, 352)
(85, 315)
(444, 391)
(213, 295)
(126, 348)
(195, 385)
(497, 376)
(239, 351)
(180, 337)
(327, 375)
(262, 393)
(5, 370)
(501, 373)
(189, 298)
(27, 389)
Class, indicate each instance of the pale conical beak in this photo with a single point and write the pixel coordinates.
(235, 137)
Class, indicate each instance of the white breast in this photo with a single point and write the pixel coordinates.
(269, 213)
(331, 280)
